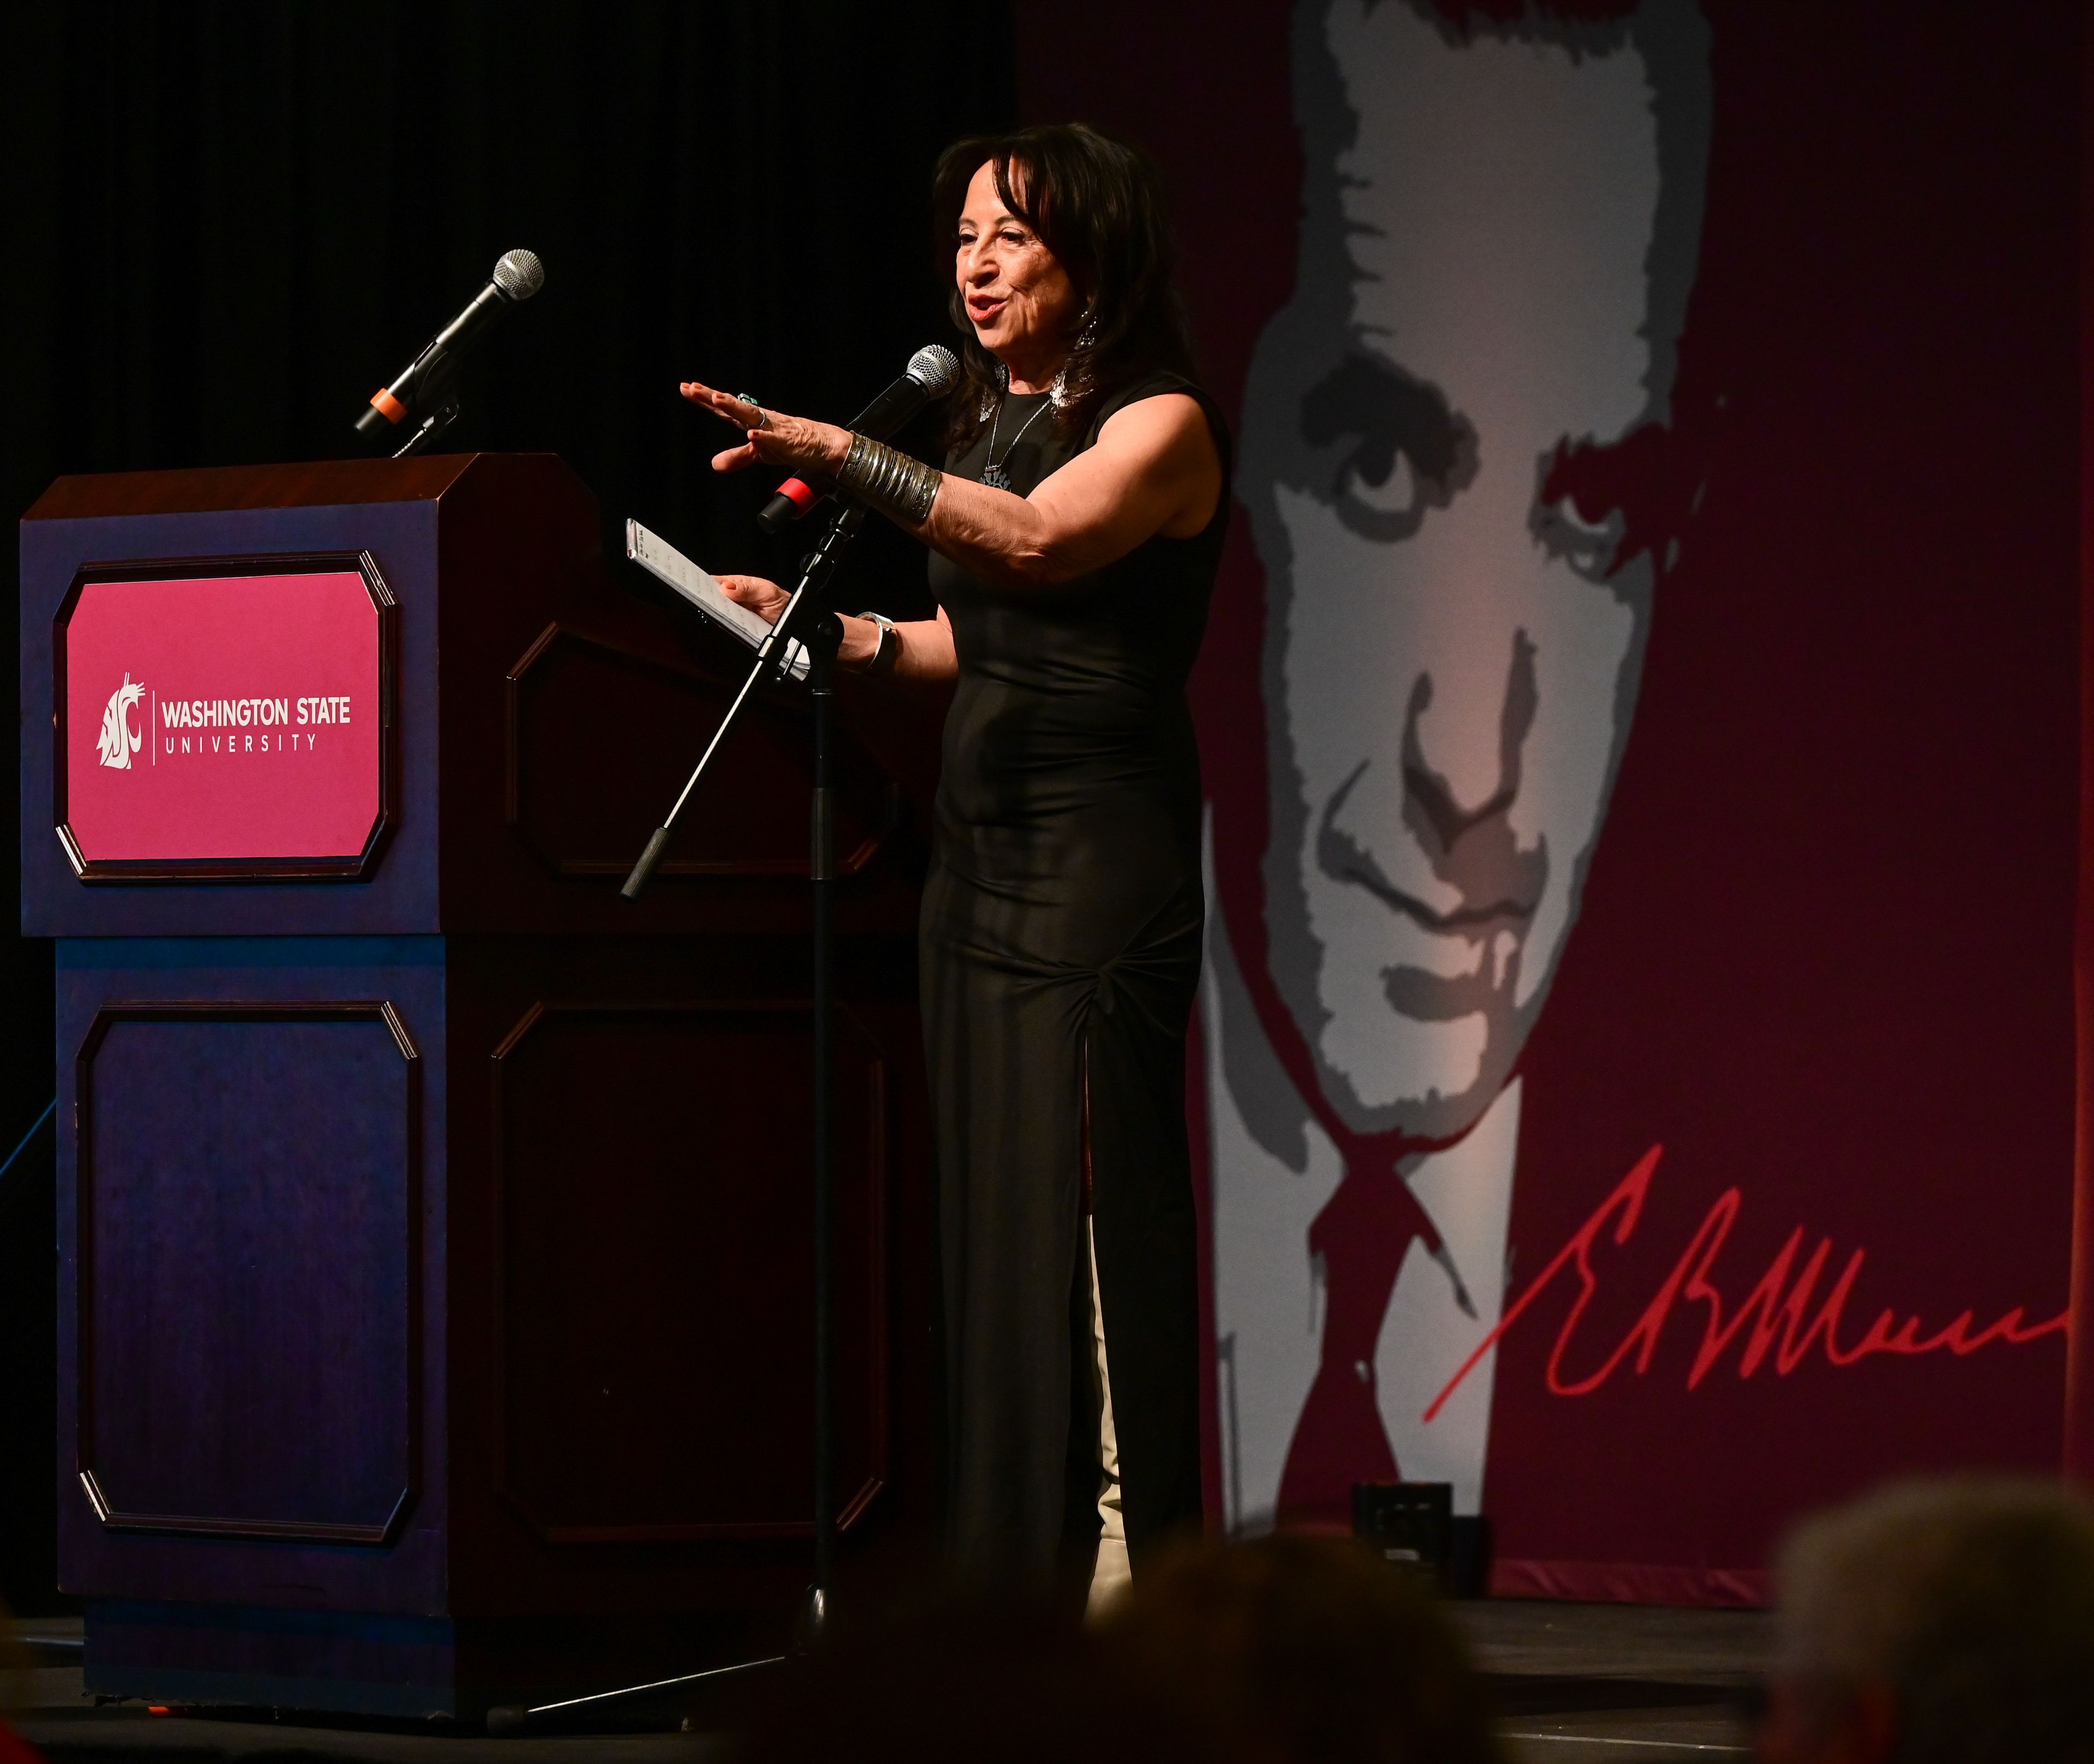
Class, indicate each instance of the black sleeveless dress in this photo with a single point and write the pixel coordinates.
(1061, 944)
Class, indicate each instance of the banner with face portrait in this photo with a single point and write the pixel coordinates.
(1635, 1075)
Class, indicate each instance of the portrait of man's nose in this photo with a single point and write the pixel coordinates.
(1450, 792)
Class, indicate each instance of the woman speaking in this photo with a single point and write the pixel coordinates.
(1074, 534)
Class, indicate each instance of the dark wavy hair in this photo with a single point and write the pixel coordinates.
(1097, 204)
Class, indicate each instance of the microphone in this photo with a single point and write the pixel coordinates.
(933, 371)
(518, 275)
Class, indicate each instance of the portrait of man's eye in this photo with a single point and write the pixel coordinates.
(1390, 447)
(1591, 547)
(1599, 505)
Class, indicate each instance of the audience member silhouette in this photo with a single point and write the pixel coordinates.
(1305, 1650)
(1290, 1650)
(1937, 1622)
(970, 1682)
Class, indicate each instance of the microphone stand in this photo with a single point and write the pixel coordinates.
(808, 621)
(433, 425)
(439, 395)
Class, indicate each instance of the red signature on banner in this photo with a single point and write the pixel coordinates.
(1778, 1310)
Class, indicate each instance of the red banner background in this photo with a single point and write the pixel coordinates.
(1820, 992)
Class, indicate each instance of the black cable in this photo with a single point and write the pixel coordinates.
(50, 1109)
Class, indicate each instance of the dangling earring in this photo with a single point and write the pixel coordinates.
(1086, 339)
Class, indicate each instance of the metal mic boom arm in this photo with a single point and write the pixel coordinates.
(807, 619)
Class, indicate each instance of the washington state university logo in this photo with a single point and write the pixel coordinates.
(119, 740)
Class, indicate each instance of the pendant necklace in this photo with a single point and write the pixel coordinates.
(993, 474)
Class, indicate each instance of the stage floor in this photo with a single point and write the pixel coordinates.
(1576, 1683)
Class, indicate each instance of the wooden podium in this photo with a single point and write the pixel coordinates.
(434, 1225)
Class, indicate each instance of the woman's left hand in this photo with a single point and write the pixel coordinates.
(772, 438)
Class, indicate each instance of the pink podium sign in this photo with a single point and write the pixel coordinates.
(223, 720)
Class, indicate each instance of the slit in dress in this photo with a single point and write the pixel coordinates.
(1110, 1577)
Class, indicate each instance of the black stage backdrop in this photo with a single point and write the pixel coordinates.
(225, 224)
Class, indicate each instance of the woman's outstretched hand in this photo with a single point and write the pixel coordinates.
(771, 437)
(766, 599)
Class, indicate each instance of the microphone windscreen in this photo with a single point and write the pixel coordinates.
(519, 275)
(936, 369)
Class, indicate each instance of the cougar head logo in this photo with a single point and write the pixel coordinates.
(119, 740)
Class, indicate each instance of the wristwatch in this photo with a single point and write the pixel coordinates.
(889, 651)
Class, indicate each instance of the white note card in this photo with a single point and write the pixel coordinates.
(658, 557)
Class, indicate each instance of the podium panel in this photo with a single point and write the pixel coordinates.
(630, 1268)
(247, 1213)
(251, 742)
(435, 1226)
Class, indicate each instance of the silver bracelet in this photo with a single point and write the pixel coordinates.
(883, 478)
(887, 651)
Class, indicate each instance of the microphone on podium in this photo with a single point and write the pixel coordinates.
(933, 371)
(518, 275)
